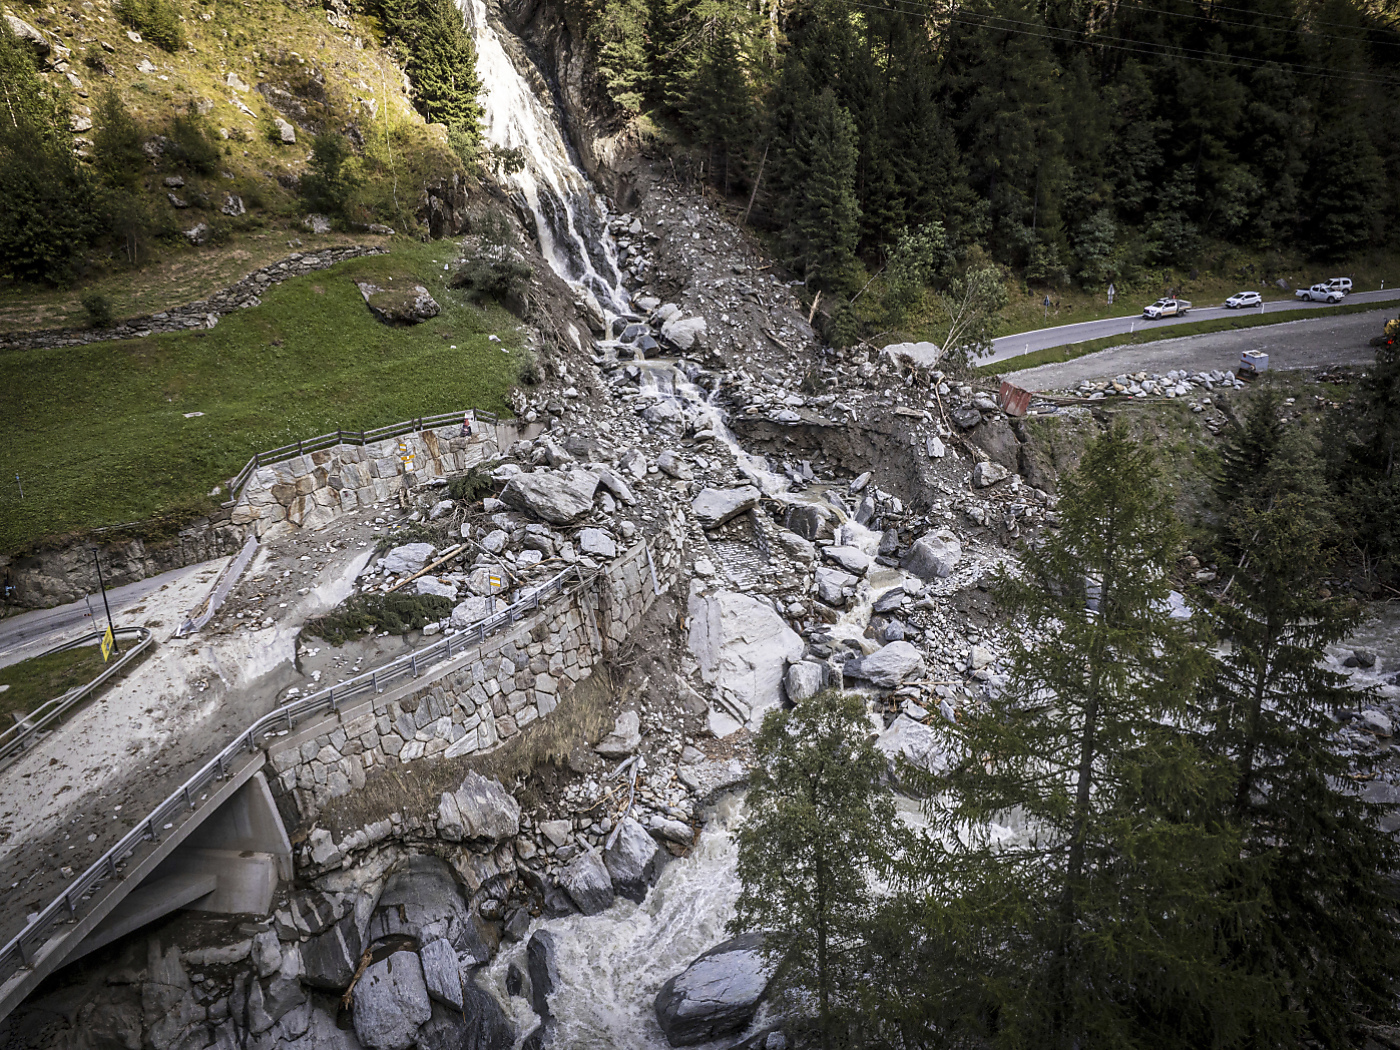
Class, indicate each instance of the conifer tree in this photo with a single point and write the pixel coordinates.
(717, 108)
(1096, 922)
(819, 826)
(1315, 856)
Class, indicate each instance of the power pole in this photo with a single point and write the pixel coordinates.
(102, 585)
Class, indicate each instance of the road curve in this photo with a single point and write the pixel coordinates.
(1009, 346)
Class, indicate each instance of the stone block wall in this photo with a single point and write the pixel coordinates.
(311, 490)
(482, 697)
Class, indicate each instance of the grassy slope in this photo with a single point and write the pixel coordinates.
(99, 436)
(1056, 354)
(42, 678)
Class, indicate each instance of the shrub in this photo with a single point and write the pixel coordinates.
(99, 310)
(328, 185)
(396, 613)
(116, 142)
(156, 20)
(471, 486)
(193, 144)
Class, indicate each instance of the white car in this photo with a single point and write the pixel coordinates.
(1166, 308)
(1340, 284)
(1318, 293)
(1240, 300)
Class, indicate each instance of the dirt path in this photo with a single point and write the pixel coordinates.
(1343, 339)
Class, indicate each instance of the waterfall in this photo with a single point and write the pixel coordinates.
(570, 217)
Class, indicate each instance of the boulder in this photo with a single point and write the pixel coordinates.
(1363, 658)
(809, 521)
(716, 995)
(432, 585)
(742, 645)
(984, 475)
(597, 543)
(422, 900)
(481, 810)
(934, 555)
(288, 136)
(480, 1024)
(329, 959)
(36, 40)
(1377, 722)
(713, 507)
(473, 610)
(852, 559)
(803, 680)
(612, 483)
(672, 465)
(560, 499)
(407, 559)
(913, 742)
(542, 963)
(684, 333)
(998, 440)
(399, 307)
(888, 666)
(634, 462)
(625, 737)
(633, 860)
(441, 974)
(587, 882)
(390, 1002)
(832, 584)
(198, 234)
(967, 418)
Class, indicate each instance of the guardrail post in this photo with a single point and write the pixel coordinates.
(68, 900)
(24, 951)
(188, 797)
(155, 831)
(413, 663)
(374, 680)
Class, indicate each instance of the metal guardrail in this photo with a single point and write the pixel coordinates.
(205, 611)
(15, 738)
(345, 437)
(20, 951)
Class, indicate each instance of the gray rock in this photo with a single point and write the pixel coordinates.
(891, 600)
(391, 1002)
(198, 234)
(329, 959)
(36, 40)
(560, 499)
(614, 484)
(803, 680)
(935, 448)
(716, 995)
(934, 555)
(473, 610)
(1377, 722)
(741, 645)
(852, 559)
(809, 521)
(911, 741)
(558, 832)
(1363, 658)
(998, 440)
(967, 418)
(542, 963)
(633, 861)
(422, 900)
(832, 584)
(984, 475)
(672, 465)
(597, 543)
(684, 333)
(480, 1024)
(288, 135)
(713, 507)
(634, 462)
(233, 205)
(407, 559)
(625, 737)
(889, 665)
(267, 953)
(587, 882)
(432, 585)
(441, 974)
(495, 541)
(480, 810)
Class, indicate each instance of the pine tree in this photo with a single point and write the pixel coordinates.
(718, 109)
(116, 142)
(1344, 186)
(819, 826)
(1315, 857)
(1097, 923)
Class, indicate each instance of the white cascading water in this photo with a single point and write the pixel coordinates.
(570, 218)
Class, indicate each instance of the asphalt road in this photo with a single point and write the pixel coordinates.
(28, 634)
(1336, 340)
(1009, 346)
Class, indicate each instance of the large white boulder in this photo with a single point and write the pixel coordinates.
(409, 558)
(889, 665)
(716, 995)
(684, 332)
(742, 646)
(713, 507)
(558, 498)
(934, 555)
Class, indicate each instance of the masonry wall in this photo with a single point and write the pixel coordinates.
(313, 489)
(486, 695)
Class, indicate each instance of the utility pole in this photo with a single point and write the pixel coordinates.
(102, 585)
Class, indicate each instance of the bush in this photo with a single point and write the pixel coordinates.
(471, 486)
(193, 145)
(116, 142)
(155, 20)
(396, 613)
(327, 186)
(99, 310)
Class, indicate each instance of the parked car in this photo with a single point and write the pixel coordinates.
(1318, 293)
(1240, 300)
(1166, 308)
(1340, 284)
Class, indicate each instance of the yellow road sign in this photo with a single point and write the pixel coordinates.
(107, 643)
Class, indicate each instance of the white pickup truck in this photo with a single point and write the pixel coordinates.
(1319, 293)
(1166, 308)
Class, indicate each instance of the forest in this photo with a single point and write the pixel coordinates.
(1069, 141)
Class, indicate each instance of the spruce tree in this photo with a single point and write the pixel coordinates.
(819, 828)
(1096, 922)
(718, 109)
(1316, 858)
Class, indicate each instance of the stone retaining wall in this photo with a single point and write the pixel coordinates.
(204, 313)
(311, 490)
(483, 697)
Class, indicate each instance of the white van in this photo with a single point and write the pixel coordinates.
(1340, 284)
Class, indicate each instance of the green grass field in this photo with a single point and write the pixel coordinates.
(99, 435)
(1056, 354)
(31, 682)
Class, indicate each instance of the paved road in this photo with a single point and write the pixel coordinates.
(1335, 340)
(27, 634)
(1009, 346)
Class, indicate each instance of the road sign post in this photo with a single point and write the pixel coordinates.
(102, 584)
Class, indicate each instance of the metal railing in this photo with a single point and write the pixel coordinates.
(16, 738)
(20, 950)
(345, 437)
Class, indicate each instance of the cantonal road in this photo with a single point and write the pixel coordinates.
(1339, 339)
(1009, 346)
